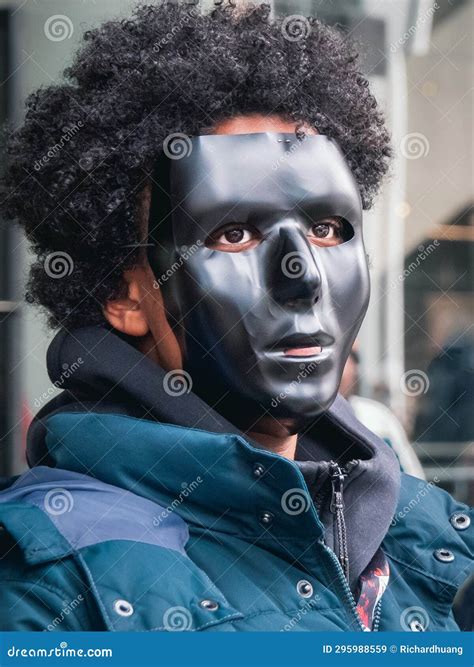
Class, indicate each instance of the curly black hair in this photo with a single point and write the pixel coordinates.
(84, 153)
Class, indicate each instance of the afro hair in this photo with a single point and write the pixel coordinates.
(85, 150)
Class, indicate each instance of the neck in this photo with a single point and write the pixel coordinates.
(282, 445)
(275, 435)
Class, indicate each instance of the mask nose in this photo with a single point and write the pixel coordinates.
(296, 280)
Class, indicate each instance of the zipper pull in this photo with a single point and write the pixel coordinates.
(337, 480)
(338, 476)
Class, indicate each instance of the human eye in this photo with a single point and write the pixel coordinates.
(330, 232)
(233, 237)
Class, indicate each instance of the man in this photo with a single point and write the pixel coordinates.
(198, 472)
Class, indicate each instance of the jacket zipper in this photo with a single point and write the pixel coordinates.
(377, 614)
(338, 476)
(349, 598)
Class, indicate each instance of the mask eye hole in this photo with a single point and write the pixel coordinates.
(330, 231)
(234, 237)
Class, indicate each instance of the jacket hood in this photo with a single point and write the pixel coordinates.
(101, 373)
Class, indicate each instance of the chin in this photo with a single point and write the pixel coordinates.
(297, 411)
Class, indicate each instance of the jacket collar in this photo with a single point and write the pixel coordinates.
(116, 421)
(100, 371)
(208, 479)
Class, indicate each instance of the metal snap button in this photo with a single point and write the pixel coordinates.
(444, 555)
(123, 608)
(210, 605)
(460, 520)
(304, 588)
(416, 625)
(266, 518)
(258, 470)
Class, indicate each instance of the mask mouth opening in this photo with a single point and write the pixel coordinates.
(303, 347)
(300, 340)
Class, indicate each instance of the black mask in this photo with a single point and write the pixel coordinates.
(298, 284)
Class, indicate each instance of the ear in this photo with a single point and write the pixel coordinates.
(126, 313)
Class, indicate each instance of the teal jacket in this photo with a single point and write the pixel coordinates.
(125, 522)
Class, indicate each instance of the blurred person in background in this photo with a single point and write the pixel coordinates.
(378, 417)
(445, 412)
